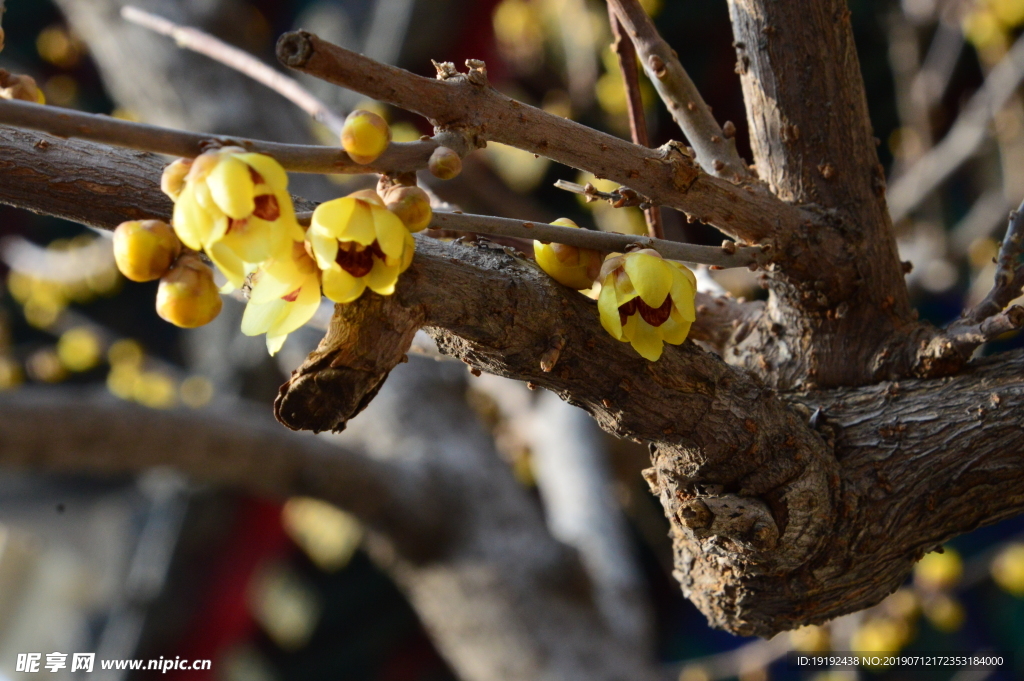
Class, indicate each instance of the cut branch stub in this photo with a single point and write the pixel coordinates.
(364, 342)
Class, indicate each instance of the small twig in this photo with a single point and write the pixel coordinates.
(716, 152)
(626, 52)
(969, 336)
(1009, 273)
(620, 198)
(908, 190)
(723, 257)
(463, 101)
(241, 61)
(399, 157)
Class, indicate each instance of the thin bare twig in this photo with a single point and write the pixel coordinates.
(716, 151)
(241, 61)
(620, 198)
(723, 257)
(463, 101)
(908, 190)
(626, 52)
(1009, 274)
(399, 157)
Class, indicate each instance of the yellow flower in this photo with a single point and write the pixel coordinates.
(285, 295)
(568, 265)
(647, 300)
(235, 206)
(359, 244)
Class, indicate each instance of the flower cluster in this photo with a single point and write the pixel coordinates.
(233, 207)
(644, 299)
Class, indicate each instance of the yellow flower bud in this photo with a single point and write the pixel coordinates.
(568, 265)
(20, 87)
(411, 205)
(365, 136)
(145, 250)
(173, 179)
(187, 296)
(444, 163)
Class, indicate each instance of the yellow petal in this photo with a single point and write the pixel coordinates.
(275, 343)
(251, 240)
(382, 278)
(686, 271)
(230, 265)
(650, 276)
(645, 339)
(267, 288)
(675, 329)
(261, 317)
(232, 188)
(390, 232)
(408, 253)
(300, 311)
(683, 293)
(342, 287)
(346, 219)
(608, 307)
(191, 222)
(324, 247)
(272, 172)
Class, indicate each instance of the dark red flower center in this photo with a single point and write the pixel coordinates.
(267, 207)
(256, 177)
(292, 297)
(358, 263)
(655, 316)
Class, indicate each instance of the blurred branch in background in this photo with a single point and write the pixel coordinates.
(239, 60)
(909, 189)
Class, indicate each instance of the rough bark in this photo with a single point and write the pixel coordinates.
(836, 324)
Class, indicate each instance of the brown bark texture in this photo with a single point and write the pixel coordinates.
(836, 438)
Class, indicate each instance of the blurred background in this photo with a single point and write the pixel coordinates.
(158, 565)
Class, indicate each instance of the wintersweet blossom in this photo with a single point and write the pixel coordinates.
(285, 294)
(647, 301)
(359, 244)
(235, 206)
(568, 265)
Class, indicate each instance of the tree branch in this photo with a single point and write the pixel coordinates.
(780, 517)
(399, 157)
(716, 151)
(626, 53)
(465, 102)
(220, 51)
(1009, 278)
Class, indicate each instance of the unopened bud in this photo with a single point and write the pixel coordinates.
(187, 296)
(411, 205)
(444, 163)
(20, 87)
(145, 250)
(365, 136)
(173, 179)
